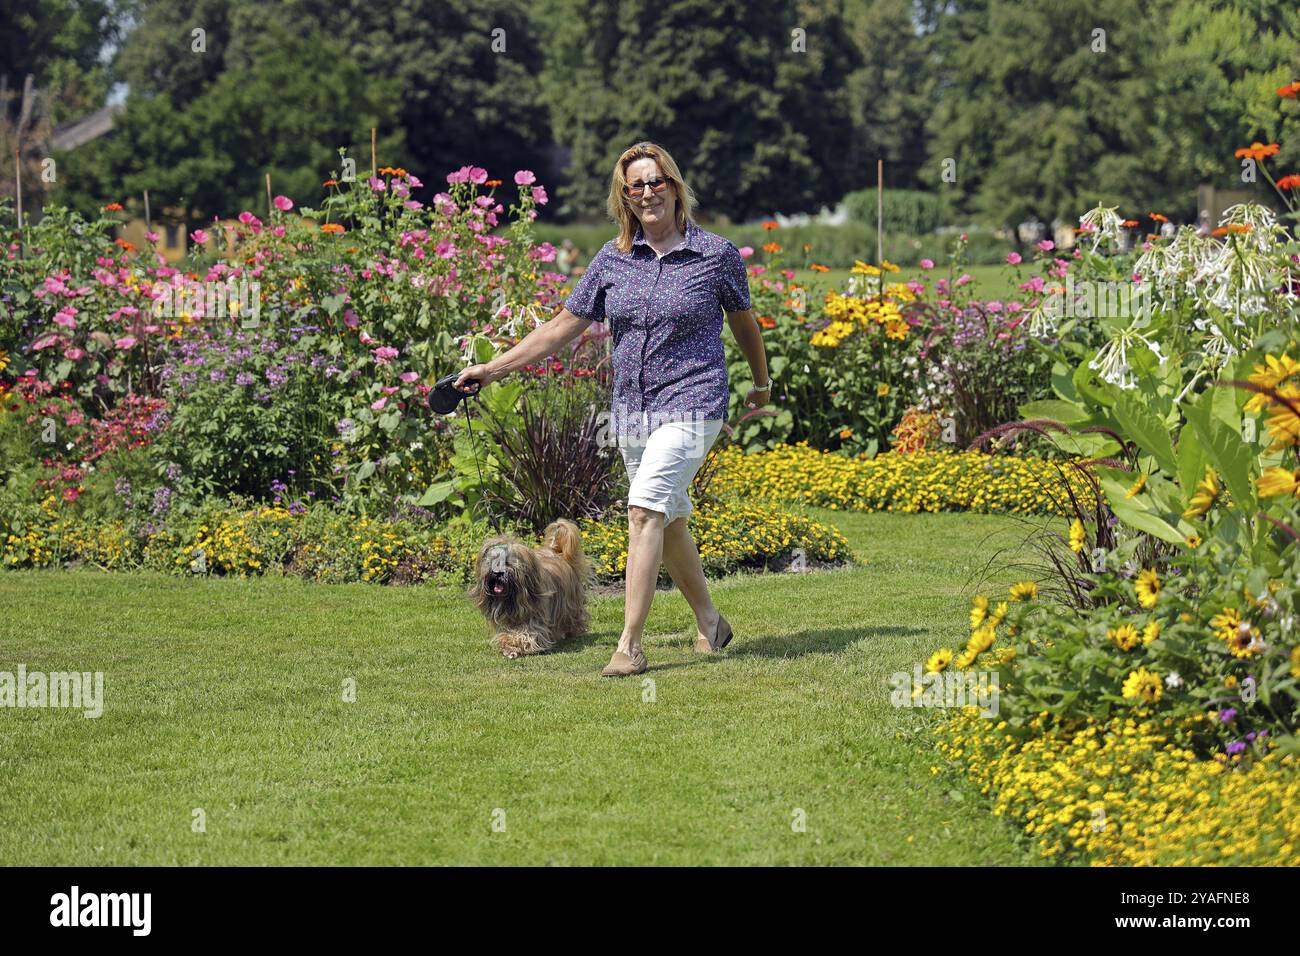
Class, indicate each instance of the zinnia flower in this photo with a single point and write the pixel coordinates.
(283, 203)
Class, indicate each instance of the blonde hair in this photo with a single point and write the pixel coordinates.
(617, 204)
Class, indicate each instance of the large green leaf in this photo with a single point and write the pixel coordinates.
(1136, 515)
(1149, 432)
(1230, 456)
(1067, 413)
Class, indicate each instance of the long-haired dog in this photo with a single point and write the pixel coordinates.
(533, 598)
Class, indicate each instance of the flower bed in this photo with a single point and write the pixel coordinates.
(1130, 792)
(923, 481)
(324, 544)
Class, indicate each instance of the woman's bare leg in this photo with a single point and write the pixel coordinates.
(682, 559)
(645, 546)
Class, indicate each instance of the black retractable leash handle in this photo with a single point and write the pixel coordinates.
(443, 399)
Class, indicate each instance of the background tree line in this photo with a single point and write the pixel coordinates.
(1039, 113)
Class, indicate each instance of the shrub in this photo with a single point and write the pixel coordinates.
(905, 210)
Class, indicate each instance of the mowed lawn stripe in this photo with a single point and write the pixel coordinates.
(228, 696)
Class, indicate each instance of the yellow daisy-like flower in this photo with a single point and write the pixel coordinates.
(979, 609)
(1242, 641)
(882, 389)
(1193, 540)
(1150, 632)
(939, 660)
(1078, 537)
(862, 268)
(1230, 682)
(1148, 588)
(1278, 481)
(1024, 591)
(1136, 487)
(999, 614)
(896, 329)
(1225, 623)
(1207, 493)
(981, 639)
(1125, 637)
(1142, 685)
(1284, 424)
(1271, 374)
(965, 659)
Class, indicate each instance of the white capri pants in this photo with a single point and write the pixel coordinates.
(662, 465)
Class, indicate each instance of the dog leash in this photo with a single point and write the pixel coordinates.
(444, 389)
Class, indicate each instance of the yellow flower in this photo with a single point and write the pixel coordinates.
(1148, 588)
(1271, 374)
(999, 614)
(1143, 685)
(1284, 423)
(939, 660)
(1277, 481)
(981, 639)
(1136, 487)
(1078, 538)
(1024, 591)
(1193, 540)
(1150, 632)
(1207, 493)
(882, 389)
(978, 611)
(1125, 637)
(1295, 661)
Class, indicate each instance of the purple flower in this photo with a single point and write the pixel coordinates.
(1228, 715)
(1236, 747)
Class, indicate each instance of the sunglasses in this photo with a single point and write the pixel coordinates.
(636, 189)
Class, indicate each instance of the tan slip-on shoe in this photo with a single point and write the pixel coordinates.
(620, 665)
(720, 639)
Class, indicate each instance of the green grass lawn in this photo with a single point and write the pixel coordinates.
(990, 282)
(226, 695)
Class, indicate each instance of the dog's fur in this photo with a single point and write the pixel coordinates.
(533, 598)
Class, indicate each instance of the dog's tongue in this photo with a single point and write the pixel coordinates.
(498, 588)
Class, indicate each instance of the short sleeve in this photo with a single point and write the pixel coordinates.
(733, 281)
(587, 300)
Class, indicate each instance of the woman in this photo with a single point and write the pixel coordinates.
(662, 285)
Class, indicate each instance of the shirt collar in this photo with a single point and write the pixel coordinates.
(692, 241)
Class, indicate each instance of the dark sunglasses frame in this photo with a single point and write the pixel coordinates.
(657, 185)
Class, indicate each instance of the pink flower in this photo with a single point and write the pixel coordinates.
(916, 287)
(1013, 258)
(151, 237)
(377, 184)
(45, 342)
(539, 195)
(993, 306)
(199, 236)
(74, 354)
(962, 279)
(1047, 245)
(65, 318)
(278, 232)
(248, 219)
(378, 405)
(283, 203)
(525, 177)
(125, 342)
(1135, 277)
(1033, 285)
(385, 354)
(927, 264)
(746, 251)
(409, 377)
(413, 204)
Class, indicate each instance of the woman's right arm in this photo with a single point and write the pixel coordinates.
(547, 339)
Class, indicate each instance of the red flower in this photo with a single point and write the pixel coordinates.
(1289, 182)
(1290, 90)
(1157, 217)
(113, 207)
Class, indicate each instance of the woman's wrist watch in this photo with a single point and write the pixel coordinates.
(763, 388)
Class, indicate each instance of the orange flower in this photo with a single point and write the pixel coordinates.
(1290, 90)
(815, 267)
(1239, 228)
(333, 228)
(1129, 223)
(113, 207)
(846, 433)
(771, 248)
(125, 245)
(766, 322)
(1157, 217)
(494, 182)
(329, 182)
(771, 224)
(1257, 151)
(1289, 182)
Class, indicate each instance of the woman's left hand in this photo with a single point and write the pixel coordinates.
(757, 397)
